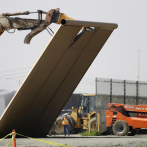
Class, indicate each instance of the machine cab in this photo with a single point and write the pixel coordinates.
(87, 104)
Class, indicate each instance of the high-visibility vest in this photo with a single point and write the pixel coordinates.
(65, 121)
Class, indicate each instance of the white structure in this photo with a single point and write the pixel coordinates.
(5, 97)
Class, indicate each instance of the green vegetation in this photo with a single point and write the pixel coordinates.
(141, 145)
(92, 133)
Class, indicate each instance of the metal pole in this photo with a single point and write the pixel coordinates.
(96, 86)
(124, 91)
(96, 99)
(88, 24)
(136, 92)
(110, 90)
(138, 65)
(138, 70)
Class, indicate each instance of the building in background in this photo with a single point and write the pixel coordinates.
(5, 97)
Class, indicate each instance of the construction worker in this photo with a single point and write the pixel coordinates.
(65, 125)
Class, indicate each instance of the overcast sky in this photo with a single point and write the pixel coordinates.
(118, 58)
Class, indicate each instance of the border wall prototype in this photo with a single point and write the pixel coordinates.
(52, 80)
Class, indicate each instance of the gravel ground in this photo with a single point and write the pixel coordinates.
(78, 141)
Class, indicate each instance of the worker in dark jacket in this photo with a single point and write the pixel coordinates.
(65, 125)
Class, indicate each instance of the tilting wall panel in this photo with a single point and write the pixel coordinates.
(52, 80)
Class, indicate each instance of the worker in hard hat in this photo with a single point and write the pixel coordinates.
(65, 125)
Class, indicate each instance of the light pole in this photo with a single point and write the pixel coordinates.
(13, 79)
(138, 65)
(138, 71)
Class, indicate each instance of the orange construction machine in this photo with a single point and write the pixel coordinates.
(126, 119)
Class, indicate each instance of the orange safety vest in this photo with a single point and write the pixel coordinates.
(65, 121)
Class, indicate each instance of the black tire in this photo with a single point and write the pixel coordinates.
(59, 127)
(93, 123)
(71, 123)
(120, 128)
(132, 133)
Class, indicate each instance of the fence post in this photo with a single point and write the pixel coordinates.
(96, 86)
(124, 91)
(110, 90)
(96, 93)
(136, 92)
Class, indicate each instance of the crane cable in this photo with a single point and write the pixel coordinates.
(50, 30)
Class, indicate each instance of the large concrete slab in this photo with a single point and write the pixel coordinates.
(52, 80)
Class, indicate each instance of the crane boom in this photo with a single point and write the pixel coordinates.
(35, 25)
(129, 108)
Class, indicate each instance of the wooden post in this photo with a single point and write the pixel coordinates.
(89, 123)
(98, 119)
(14, 135)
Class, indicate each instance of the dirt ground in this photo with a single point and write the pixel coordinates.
(78, 141)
